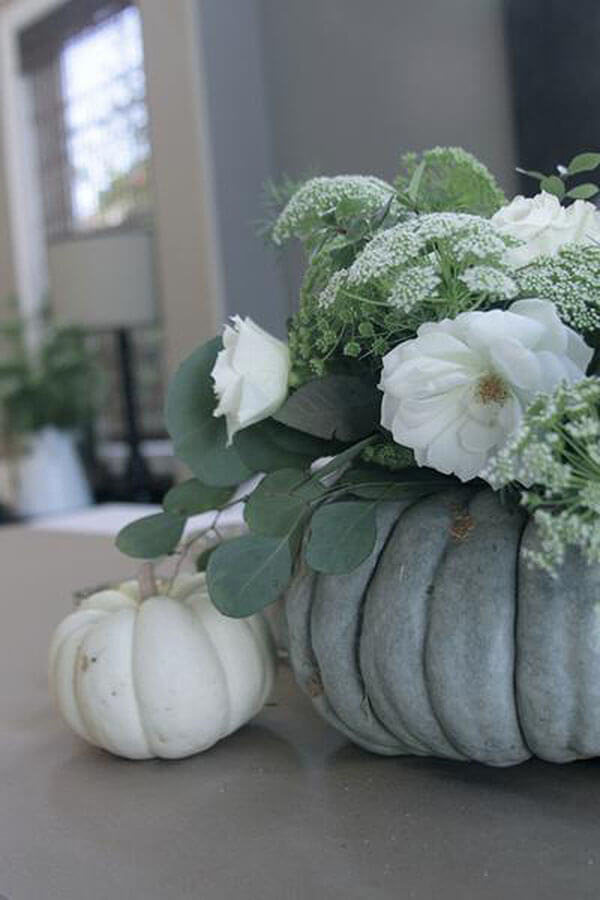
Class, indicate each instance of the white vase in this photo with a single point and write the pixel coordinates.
(51, 477)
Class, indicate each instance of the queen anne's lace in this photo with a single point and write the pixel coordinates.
(571, 279)
(322, 195)
(554, 454)
(490, 282)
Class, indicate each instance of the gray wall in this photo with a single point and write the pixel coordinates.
(353, 83)
(7, 273)
(341, 86)
(241, 141)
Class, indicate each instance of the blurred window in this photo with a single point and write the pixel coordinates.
(84, 65)
(90, 116)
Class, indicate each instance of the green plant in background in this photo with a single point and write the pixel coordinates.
(58, 383)
(557, 182)
(397, 280)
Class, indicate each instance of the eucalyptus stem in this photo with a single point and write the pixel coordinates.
(147, 581)
(184, 549)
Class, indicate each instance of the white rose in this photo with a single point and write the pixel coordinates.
(250, 375)
(545, 226)
(456, 392)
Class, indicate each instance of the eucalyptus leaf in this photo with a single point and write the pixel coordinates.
(341, 536)
(343, 407)
(248, 573)
(274, 515)
(199, 438)
(269, 445)
(151, 536)
(552, 184)
(191, 498)
(377, 484)
(583, 191)
(273, 509)
(583, 162)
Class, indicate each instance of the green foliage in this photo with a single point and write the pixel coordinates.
(557, 182)
(448, 179)
(200, 439)
(425, 268)
(152, 536)
(338, 406)
(269, 445)
(58, 383)
(191, 498)
(248, 573)
(274, 510)
(341, 536)
(371, 483)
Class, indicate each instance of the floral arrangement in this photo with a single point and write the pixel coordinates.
(443, 335)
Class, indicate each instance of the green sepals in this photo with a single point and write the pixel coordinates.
(341, 407)
(341, 536)
(552, 184)
(152, 536)
(583, 191)
(200, 439)
(191, 498)
(583, 162)
(248, 573)
(269, 445)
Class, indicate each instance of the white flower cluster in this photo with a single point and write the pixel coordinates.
(491, 282)
(403, 243)
(571, 279)
(322, 195)
(412, 285)
(555, 454)
(480, 244)
(328, 295)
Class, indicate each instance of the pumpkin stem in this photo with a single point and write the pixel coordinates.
(147, 581)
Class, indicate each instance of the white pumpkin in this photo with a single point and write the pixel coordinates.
(167, 676)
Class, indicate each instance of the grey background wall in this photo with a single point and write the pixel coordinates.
(352, 83)
(7, 274)
(341, 86)
(241, 133)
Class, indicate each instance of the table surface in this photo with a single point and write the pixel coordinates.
(285, 809)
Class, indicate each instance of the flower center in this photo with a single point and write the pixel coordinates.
(492, 389)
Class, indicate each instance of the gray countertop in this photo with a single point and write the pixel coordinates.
(285, 809)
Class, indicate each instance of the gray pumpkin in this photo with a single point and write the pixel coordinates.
(445, 643)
